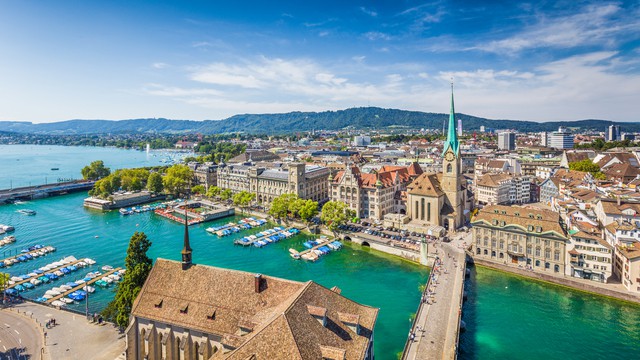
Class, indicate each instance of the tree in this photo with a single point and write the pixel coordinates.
(308, 210)
(282, 205)
(225, 194)
(587, 165)
(334, 214)
(243, 198)
(295, 204)
(213, 191)
(198, 189)
(138, 266)
(94, 171)
(177, 179)
(154, 183)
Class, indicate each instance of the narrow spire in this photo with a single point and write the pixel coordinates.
(186, 249)
(452, 137)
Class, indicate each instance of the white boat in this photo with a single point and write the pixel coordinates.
(59, 273)
(58, 289)
(65, 287)
(107, 280)
(59, 303)
(35, 282)
(114, 277)
(65, 300)
(89, 289)
(107, 268)
(89, 261)
(15, 278)
(47, 296)
(52, 292)
(79, 282)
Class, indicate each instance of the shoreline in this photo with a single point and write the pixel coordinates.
(562, 282)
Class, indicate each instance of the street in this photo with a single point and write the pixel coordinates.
(19, 337)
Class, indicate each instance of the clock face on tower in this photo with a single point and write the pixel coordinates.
(449, 156)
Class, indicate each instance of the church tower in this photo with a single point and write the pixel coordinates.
(451, 169)
(186, 249)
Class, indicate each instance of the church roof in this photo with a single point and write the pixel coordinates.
(426, 184)
(277, 311)
(452, 138)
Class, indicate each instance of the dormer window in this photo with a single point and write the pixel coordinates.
(530, 228)
(212, 316)
(516, 214)
(184, 308)
(530, 216)
(318, 313)
(503, 223)
(158, 305)
(538, 228)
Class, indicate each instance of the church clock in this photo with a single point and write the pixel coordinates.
(449, 156)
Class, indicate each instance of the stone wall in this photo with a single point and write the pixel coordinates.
(567, 281)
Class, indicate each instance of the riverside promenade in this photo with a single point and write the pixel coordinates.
(435, 331)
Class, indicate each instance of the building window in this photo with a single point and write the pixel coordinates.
(537, 251)
(493, 253)
(556, 268)
(449, 168)
(428, 211)
(556, 255)
(422, 209)
(547, 253)
(502, 244)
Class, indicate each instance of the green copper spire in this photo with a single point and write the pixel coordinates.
(452, 137)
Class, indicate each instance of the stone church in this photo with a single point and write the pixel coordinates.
(441, 198)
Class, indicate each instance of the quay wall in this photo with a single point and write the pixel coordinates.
(564, 281)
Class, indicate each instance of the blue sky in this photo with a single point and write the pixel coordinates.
(542, 61)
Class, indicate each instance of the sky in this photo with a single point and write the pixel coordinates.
(539, 60)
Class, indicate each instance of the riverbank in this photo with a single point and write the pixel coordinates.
(574, 284)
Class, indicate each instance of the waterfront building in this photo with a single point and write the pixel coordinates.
(590, 256)
(507, 140)
(192, 312)
(441, 199)
(204, 174)
(122, 199)
(561, 139)
(182, 144)
(254, 155)
(373, 195)
(306, 181)
(520, 236)
(627, 266)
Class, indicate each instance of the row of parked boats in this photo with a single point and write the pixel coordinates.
(232, 228)
(316, 249)
(7, 240)
(46, 274)
(267, 237)
(141, 209)
(30, 253)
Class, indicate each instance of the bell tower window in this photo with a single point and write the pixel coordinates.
(449, 168)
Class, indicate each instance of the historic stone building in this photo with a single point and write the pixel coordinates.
(306, 181)
(526, 237)
(373, 195)
(195, 312)
(441, 199)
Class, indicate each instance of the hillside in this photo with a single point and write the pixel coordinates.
(358, 118)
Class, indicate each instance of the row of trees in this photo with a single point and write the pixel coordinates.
(176, 180)
(601, 145)
(288, 206)
(217, 151)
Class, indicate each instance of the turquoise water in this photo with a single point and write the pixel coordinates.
(509, 317)
(365, 276)
(25, 165)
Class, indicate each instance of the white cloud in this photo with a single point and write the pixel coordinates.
(376, 35)
(594, 25)
(159, 65)
(369, 12)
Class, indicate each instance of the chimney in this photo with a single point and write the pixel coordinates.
(258, 282)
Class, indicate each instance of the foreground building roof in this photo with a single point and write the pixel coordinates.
(256, 316)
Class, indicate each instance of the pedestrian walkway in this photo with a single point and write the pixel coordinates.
(435, 331)
(73, 336)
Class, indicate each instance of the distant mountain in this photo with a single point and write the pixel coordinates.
(357, 118)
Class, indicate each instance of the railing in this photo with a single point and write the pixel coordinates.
(405, 351)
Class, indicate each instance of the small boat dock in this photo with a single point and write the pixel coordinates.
(231, 228)
(268, 236)
(80, 286)
(316, 249)
(39, 275)
(197, 211)
(31, 253)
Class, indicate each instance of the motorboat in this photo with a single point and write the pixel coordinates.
(89, 289)
(27, 212)
(58, 303)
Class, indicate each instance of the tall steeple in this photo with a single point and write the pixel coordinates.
(186, 249)
(452, 137)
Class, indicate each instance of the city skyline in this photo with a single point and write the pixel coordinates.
(203, 60)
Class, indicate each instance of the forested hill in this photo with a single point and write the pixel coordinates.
(357, 118)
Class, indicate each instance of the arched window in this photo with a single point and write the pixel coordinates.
(556, 268)
(449, 168)
(428, 211)
(416, 212)
(478, 251)
(486, 252)
(537, 262)
(422, 209)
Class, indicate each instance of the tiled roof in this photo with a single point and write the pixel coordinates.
(631, 252)
(612, 207)
(278, 314)
(426, 184)
(547, 220)
(618, 171)
(493, 180)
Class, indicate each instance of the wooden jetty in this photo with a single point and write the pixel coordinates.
(31, 253)
(79, 287)
(44, 273)
(313, 248)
